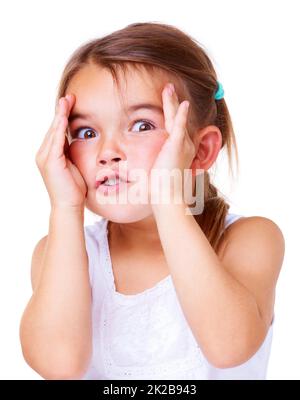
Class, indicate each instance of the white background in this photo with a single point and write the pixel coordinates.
(254, 46)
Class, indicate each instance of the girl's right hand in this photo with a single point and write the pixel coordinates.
(65, 185)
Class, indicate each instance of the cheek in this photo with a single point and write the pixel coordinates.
(79, 155)
(144, 154)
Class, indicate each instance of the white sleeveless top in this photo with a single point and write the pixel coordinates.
(145, 335)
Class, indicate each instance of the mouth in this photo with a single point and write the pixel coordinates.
(113, 181)
(111, 184)
(108, 187)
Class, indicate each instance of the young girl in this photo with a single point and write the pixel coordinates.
(150, 290)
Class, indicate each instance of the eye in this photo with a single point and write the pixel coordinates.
(145, 123)
(85, 135)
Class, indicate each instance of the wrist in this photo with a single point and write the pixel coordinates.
(171, 209)
(67, 209)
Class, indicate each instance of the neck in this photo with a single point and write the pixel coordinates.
(136, 235)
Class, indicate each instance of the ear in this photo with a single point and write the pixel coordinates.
(208, 143)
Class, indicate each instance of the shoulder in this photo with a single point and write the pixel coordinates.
(253, 254)
(259, 232)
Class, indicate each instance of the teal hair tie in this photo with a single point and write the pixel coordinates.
(220, 92)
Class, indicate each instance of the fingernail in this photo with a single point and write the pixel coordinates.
(171, 89)
(57, 107)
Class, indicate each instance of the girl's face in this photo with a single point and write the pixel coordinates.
(111, 135)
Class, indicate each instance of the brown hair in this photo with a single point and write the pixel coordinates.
(155, 45)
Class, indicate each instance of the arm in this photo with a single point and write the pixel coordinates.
(228, 302)
(55, 329)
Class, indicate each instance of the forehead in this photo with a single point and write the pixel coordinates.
(134, 83)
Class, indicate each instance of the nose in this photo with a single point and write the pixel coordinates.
(110, 153)
(107, 160)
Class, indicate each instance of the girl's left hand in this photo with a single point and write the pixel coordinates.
(178, 151)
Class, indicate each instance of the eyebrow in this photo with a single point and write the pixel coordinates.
(132, 108)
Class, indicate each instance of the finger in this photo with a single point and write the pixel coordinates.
(70, 97)
(61, 108)
(43, 151)
(180, 122)
(170, 106)
(70, 100)
(64, 108)
(59, 134)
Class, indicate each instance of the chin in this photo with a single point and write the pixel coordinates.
(120, 213)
